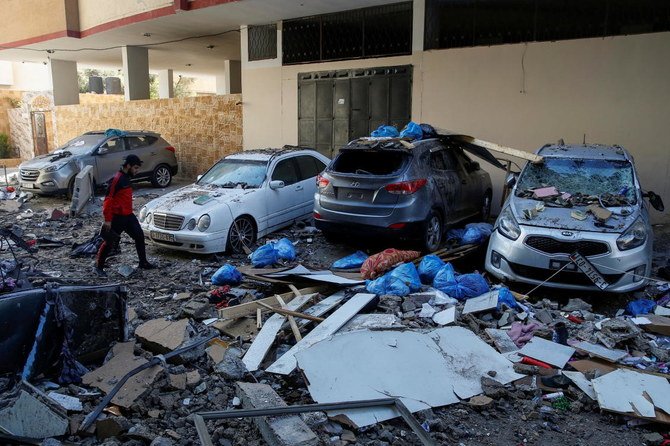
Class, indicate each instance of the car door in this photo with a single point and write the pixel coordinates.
(284, 204)
(448, 183)
(309, 168)
(109, 162)
(141, 145)
(471, 195)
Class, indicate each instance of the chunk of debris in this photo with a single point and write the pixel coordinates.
(27, 416)
(445, 317)
(111, 427)
(276, 431)
(161, 335)
(633, 393)
(231, 366)
(548, 352)
(67, 402)
(198, 309)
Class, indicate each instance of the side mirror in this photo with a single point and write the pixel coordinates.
(276, 184)
(510, 181)
(102, 150)
(655, 200)
(198, 178)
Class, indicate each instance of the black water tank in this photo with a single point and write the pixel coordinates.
(113, 85)
(95, 84)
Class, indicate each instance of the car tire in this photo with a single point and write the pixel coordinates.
(485, 208)
(242, 233)
(433, 231)
(161, 176)
(70, 188)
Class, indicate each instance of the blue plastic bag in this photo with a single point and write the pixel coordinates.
(227, 275)
(445, 279)
(387, 284)
(354, 260)
(471, 285)
(412, 130)
(640, 306)
(456, 234)
(408, 274)
(505, 297)
(266, 255)
(476, 233)
(385, 131)
(285, 249)
(429, 267)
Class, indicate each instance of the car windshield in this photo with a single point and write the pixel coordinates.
(81, 144)
(236, 173)
(588, 177)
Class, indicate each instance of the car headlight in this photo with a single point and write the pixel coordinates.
(143, 213)
(149, 218)
(191, 224)
(203, 223)
(55, 167)
(507, 224)
(634, 236)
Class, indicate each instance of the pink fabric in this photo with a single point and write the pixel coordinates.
(521, 334)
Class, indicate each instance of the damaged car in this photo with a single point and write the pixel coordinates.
(576, 220)
(55, 172)
(242, 197)
(393, 188)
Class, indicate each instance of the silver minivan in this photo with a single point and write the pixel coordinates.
(55, 172)
(577, 220)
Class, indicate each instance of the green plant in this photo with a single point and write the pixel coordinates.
(5, 148)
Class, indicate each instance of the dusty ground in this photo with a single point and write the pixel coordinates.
(513, 419)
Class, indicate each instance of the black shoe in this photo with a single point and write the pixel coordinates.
(99, 271)
(147, 265)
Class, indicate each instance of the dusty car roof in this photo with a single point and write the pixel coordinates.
(586, 151)
(265, 154)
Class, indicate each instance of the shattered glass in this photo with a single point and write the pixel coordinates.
(581, 177)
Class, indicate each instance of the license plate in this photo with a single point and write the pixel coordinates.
(566, 265)
(588, 269)
(28, 185)
(162, 236)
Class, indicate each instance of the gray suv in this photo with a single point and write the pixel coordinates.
(55, 172)
(389, 187)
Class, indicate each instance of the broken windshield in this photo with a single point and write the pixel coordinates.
(580, 176)
(81, 145)
(232, 173)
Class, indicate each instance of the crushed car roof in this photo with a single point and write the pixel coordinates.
(585, 151)
(265, 154)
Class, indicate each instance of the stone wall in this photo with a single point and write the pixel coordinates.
(202, 129)
(93, 98)
(8, 99)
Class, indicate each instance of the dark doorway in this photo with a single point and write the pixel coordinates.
(335, 107)
(39, 133)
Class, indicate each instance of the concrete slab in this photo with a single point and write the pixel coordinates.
(546, 351)
(161, 335)
(629, 392)
(29, 417)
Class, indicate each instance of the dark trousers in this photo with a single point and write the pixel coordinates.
(129, 225)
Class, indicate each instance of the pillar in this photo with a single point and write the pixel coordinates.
(231, 81)
(136, 72)
(64, 82)
(165, 84)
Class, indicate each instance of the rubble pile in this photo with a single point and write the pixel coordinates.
(441, 355)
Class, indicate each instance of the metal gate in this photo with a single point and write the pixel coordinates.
(335, 107)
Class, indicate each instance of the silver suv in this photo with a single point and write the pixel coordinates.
(576, 220)
(55, 172)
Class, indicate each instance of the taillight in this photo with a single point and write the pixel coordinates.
(321, 181)
(397, 225)
(405, 187)
(317, 216)
(170, 148)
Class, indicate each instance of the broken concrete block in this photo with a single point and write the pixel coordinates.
(216, 352)
(601, 214)
(161, 441)
(124, 360)
(161, 335)
(27, 416)
(481, 401)
(198, 309)
(544, 316)
(231, 366)
(67, 402)
(277, 431)
(577, 304)
(545, 192)
(177, 381)
(111, 427)
(192, 378)
(445, 317)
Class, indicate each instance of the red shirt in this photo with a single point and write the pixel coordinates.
(119, 199)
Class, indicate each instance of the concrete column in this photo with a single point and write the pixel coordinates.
(136, 72)
(418, 25)
(231, 81)
(165, 84)
(64, 82)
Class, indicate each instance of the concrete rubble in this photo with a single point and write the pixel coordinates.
(538, 369)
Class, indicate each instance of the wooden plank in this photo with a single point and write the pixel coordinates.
(291, 319)
(323, 307)
(265, 338)
(287, 363)
(249, 308)
(533, 158)
(293, 313)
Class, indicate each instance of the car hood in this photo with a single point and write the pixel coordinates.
(559, 218)
(195, 200)
(42, 161)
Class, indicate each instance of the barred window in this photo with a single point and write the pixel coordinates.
(262, 42)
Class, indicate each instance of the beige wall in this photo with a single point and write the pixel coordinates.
(38, 17)
(91, 14)
(202, 129)
(8, 101)
(614, 90)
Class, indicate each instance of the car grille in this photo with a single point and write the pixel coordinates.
(566, 277)
(553, 246)
(29, 174)
(168, 222)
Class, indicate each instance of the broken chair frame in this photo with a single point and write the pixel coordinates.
(205, 439)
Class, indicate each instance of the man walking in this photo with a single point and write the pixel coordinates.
(117, 210)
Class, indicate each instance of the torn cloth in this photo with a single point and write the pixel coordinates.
(521, 334)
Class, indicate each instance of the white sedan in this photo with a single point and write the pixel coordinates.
(242, 197)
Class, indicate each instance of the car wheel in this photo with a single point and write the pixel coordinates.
(161, 176)
(242, 234)
(432, 238)
(70, 188)
(485, 210)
